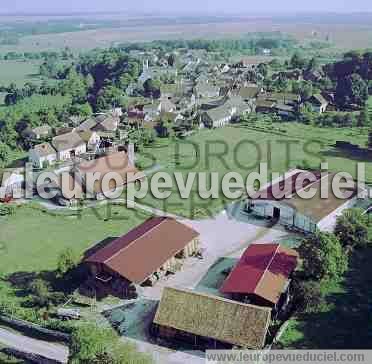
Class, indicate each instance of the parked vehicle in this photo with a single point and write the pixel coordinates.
(68, 314)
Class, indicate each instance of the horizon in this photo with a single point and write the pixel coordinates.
(192, 7)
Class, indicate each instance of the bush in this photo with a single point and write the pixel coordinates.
(352, 228)
(323, 257)
(308, 296)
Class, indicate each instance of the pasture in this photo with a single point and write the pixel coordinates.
(19, 72)
(241, 149)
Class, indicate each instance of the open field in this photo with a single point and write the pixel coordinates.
(31, 234)
(344, 32)
(241, 150)
(19, 72)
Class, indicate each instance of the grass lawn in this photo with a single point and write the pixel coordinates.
(345, 322)
(31, 240)
(19, 72)
(241, 149)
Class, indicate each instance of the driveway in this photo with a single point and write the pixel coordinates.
(29, 345)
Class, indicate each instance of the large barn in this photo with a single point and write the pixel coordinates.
(262, 276)
(143, 255)
(207, 321)
(307, 215)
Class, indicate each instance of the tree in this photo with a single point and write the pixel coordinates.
(351, 89)
(93, 344)
(352, 228)
(40, 293)
(297, 61)
(4, 154)
(370, 139)
(364, 119)
(323, 256)
(308, 296)
(171, 60)
(67, 261)
(152, 88)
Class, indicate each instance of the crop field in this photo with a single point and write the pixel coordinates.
(241, 149)
(19, 72)
(342, 36)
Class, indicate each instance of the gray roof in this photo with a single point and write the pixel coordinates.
(67, 141)
(219, 113)
(87, 124)
(44, 149)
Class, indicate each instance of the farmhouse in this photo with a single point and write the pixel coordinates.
(207, 321)
(42, 131)
(68, 146)
(121, 163)
(280, 202)
(262, 276)
(219, 116)
(91, 138)
(42, 155)
(143, 255)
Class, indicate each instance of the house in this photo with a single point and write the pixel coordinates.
(42, 131)
(206, 321)
(69, 146)
(91, 138)
(249, 92)
(265, 106)
(281, 202)
(206, 90)
(11, 182)
(121, 163)
(142, 256)
(87, 124)
(218, 117)
(42, 155)
(285, 111)
(106, 123)
(262, 276)
(318, 103)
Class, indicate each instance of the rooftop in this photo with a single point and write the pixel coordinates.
(143, 250)
(213, 317)
(262, 270)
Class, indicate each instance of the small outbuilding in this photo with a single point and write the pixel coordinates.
(207, 321)
(262, 276)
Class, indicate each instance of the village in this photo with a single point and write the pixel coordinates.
(177, 286)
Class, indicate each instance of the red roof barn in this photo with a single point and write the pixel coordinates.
(262, 273)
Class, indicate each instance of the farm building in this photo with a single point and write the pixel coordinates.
(281, 202)
(143, 255)
(206, 321)
(121, 163)
(262, 276)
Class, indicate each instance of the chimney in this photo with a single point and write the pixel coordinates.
(131, 155)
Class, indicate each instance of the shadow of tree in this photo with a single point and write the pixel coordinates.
(347, 322)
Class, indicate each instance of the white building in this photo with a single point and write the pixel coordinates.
(69, 146)
(42, 155)
(308, 215)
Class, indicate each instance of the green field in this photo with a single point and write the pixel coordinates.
(31, 240)
(19, 72)
(242, 149)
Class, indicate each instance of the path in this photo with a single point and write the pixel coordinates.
(29, 345)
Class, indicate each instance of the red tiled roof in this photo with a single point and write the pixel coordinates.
(262, 270)
(144, 249)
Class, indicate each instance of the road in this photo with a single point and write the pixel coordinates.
(26, 344)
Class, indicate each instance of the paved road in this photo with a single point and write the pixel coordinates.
(29, 345)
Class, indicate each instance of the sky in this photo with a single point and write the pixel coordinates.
(188, 6)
